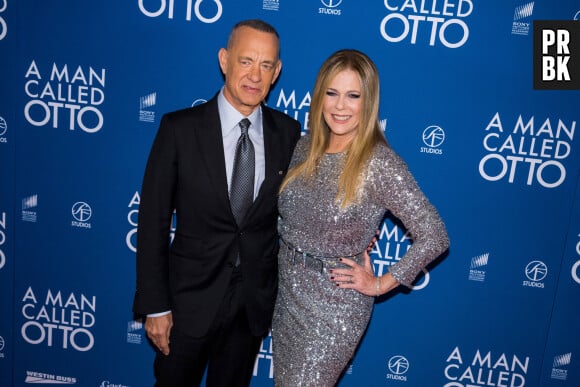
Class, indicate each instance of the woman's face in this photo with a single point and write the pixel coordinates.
(342, 105)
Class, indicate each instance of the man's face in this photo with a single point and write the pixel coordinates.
(250, 66)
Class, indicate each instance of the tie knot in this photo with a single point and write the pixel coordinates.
(244, 125)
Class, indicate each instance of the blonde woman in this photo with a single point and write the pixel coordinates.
(344, 177)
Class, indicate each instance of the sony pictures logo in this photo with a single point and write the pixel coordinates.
(135, 332)
(433, 137)
(398, 366)
(330, 7)
(29, 205)
(522, 15)
(477, 268)
(560, 365)
(81, 213)
(146, 105)
(271, 5)
(536, 272)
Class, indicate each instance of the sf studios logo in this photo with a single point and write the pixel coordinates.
(536, 272)
(81, 213)
(433, 136)
(398, 367)
(206, 11)
(330, 7)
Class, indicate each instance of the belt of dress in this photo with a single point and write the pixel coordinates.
(310, 261)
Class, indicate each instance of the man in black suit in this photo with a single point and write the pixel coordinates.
(209, 296)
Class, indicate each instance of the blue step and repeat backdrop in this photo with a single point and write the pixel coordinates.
(84, 85)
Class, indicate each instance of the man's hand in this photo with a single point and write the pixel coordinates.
(158, 330)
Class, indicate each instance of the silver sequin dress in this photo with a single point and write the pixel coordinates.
(317, 325)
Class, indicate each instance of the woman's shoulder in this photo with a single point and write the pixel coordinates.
(384, 157)
(303, 143)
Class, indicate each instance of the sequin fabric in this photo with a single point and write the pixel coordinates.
(317, 325)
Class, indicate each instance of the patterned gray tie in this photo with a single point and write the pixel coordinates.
(242, 185)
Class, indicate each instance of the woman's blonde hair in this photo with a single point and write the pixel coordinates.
(369, 132)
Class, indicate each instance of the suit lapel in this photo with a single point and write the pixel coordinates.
(272, 152)
(211, 149)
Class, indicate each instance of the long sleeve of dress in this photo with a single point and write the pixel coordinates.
(396, 189)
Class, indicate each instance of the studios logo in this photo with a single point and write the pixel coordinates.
(536, 272)
(206, 11)
(65, 97)
(330, 7)
(81, 213)
(528, 151)
(398, 366)
(557, 54)
(433, 137)
(427, 22)
(59, 320)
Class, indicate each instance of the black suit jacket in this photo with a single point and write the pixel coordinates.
(186, 172)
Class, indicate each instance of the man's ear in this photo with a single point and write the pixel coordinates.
(277, 70)
(223, 59)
